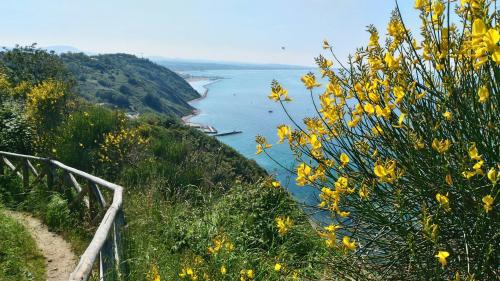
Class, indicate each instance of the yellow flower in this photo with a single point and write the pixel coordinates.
(363, 192)
(399, 94)
(449, 179)
(276, 184)
(315, 143)
(491, 39)
(250, 274)
(303, 173)
(442, 255)
(492, 175)
(369, 109)
(278, 92)
(478, 28)
(420, 3)
(483, 94)
(223, 270)
(344, 159)
(154, 274)
(441, 146)
(488, 203)
(309, 81)
(473, 153)
(438, 8)
(443, 201)
(332, 227)
(283, 224)
(259, 149)
(277, 267)
(448, 115)
(283, 132)
(348, 244)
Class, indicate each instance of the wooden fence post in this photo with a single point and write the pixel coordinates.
(107, 261)
(50, 176)
(26, 175)
(121, 264)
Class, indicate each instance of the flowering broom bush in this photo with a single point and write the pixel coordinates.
(405, 147)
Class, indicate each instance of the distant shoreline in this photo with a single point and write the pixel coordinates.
(210, 80)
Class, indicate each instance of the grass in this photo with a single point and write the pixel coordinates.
(20, 259)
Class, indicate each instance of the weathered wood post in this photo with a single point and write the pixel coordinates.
(26, 175)
(121, 264)
(107, 260)
(50, 175)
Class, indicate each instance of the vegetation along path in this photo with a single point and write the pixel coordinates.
(60, 261)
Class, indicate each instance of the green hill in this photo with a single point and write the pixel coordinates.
(130, 83)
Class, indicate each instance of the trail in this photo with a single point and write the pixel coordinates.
(60, 260)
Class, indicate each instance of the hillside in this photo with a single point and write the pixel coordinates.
(130, 83)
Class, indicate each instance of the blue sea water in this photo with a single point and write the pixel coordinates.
(239, 102)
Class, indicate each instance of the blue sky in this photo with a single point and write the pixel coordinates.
(228, 30)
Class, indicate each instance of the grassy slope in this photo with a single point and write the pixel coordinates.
(20, 259)
(130, 83)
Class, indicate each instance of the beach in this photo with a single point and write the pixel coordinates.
(200, 84)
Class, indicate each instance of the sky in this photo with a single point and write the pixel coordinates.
(222, 30)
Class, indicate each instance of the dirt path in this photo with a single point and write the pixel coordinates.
(59, 259)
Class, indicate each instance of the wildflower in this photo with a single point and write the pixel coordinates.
(420, 3)
(492, 175)
(488, 203)
(441, 146)
(276, 184)
(386, 172)
(449, 179)
(309, 81)
(399, 94)
(473, 153)
(303, 173)
(344, 159)
(442, 255)
(443, 201)
(483, 94)
(277, 267)
(187, 272)
(315, 143)
(369, 109)
(332, 227)
(223, 270)
(283, 132)
(250, 274)
(278, 92)
(283, 224)
(348, 244)
(154, 274)
(363, 192)
(448, 115)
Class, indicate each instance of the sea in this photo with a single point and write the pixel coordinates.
(239, 102)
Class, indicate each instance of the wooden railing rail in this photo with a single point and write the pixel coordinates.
(105, 251)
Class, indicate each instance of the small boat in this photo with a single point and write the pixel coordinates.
(270, 111)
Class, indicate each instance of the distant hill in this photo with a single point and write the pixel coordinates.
(194, 65)
(131, 83)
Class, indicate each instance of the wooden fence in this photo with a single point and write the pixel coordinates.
(105, 251)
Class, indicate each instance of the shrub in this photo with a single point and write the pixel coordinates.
(404, 148)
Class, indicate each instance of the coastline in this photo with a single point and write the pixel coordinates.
(195, 79)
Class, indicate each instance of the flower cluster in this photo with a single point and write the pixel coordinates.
(405, 133)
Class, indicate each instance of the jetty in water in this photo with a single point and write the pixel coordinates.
(228, 133)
